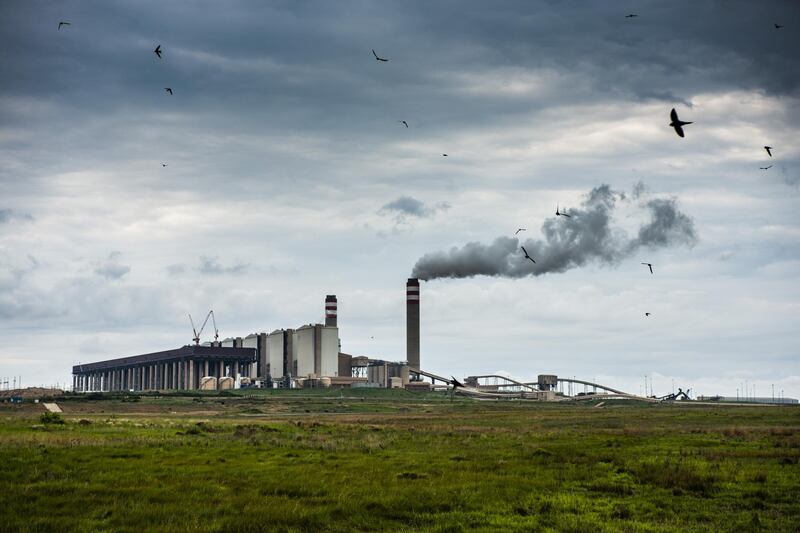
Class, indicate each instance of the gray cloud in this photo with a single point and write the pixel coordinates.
(407, 206)
(8, 215)
(212, 266)
(176, 269)
(790, 178)
(111, 268)
(588, 236)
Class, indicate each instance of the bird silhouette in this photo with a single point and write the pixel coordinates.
(520, 229)
(163, 164)
(769, 150)
(561, 214)
(650, 266)
(526, 254)
(647, 314)
(379, 58)
(677, 123)
(630, 16)
(765, 168)
(778, 26)
(168, 89)
(403, 122)
(63, 24)
(444, 155)
(157, 51)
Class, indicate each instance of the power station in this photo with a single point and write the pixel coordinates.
(310, 356)
(306, 356)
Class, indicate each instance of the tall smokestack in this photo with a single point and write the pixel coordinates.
(330, 310)
(412, 322)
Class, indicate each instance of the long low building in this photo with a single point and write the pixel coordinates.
(182, 368)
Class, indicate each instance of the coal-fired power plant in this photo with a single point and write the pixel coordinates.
(330, 310)
(307, 356)
(412, 323)
(311, 356)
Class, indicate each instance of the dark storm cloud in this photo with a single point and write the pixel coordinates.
(212, 266)
(300, 73)
(294, 61)
(588, 236)
(111, 268)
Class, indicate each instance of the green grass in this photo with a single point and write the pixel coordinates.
(371, 460)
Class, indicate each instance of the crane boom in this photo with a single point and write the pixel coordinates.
(196, 337)
(197, 334)
(214, 321)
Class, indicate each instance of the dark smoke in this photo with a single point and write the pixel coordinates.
(588, 236)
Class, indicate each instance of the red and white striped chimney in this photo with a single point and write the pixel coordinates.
(330, 310)
(412, 322)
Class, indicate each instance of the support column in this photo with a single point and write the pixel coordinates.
(205, 368)
(191, 375)
(221, 372)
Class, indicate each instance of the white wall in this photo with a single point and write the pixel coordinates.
(304, 349)
(330, 352)
(275, 354)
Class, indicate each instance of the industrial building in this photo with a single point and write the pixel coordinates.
(309, 355)
(182, 369)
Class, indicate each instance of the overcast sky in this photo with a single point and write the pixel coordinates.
(289, 176)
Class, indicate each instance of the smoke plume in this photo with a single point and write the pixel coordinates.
(589, 235)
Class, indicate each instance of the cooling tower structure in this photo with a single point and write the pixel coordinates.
(330, 310)
(412, 322)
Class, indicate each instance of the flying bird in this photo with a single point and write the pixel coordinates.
(561, 214)
(526, 254)
(63, 24)
(168, 89)
(650, 266)
(765, 168)
(677, 123)
(378, 58)
(778, 26)
(157, 51)
(163, 164)
(444, 155)
(647, 314)
(769, 150)
(520, 229)
(630, 16)
(403, 122)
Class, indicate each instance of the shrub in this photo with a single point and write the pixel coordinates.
(51, 418)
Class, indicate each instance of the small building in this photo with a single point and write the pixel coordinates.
(381, 372)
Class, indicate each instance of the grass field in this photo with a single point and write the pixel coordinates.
(390, 460)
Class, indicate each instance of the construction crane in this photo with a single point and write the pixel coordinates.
(197, 334)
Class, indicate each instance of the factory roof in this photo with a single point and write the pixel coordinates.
(185, 352)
